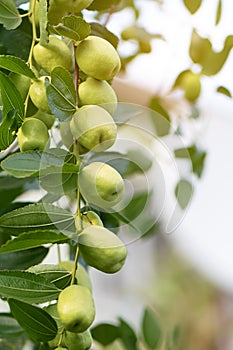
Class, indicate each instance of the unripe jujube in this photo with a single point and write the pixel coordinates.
(32, 135)
(94, 128)
(97, 58)
(102, 249)
(101, 185)
(55, 53)
(37, 93)
(97, 92)
(76, 308)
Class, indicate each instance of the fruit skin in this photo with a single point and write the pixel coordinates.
(33, 135)
(47, 118)
(56, 53)
(97, 58)
(81, 273)
(76, 308)
(101, 185)
(102, 249)
(94, 128)
(78, 341)
(72, 5)
(37, 93)
(97, 92)
(68, 139)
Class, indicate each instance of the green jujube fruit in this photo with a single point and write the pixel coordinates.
(37, 93)
(78, 341)
(97, 92)
(47, 118)
(72, 5)
(55, 53)
(33, 135)
(94, 128)
(101, 185)
(76, 308)
(97, 58)
(102, 249)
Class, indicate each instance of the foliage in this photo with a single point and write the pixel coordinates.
(29, 230)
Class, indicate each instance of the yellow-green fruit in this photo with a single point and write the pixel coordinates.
(68, 139)
(78, 341)
(37, 93)
(97, 92)
(97, 58)
(36, 13)
(46, 118)
(76, 308)
(82, 276)
(33, 135)
(101, 185)
(61, 348)
(90, 218)
(55, 53)
(102, 249)
(72, 5)
(190, 83)
(94, 128)
(21, 82)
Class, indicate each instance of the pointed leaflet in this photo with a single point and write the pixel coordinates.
(105, 333)
(8, 130)
(37, 216)
(17, 65)
(55, 274)
(32, 239)
(183, 192)
(9, 16)
(73, 27)
(23, 259)
(192, 5)
(61, 93)
(151, 330)
(127, 335)
(11, 97)
(26, 286)
(27, 164)
(39, 325)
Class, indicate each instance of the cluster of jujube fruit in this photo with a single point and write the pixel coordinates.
(90, 129)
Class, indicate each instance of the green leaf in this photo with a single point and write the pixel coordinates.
(55, 274)
(37, 216)
(127, 335)
(73, 27)
(11, 97)
(32, 239)
(7, 196)
(223, 90)
(27, 164)
(201, 52)
(100, 30)
(17, 65)
(125, 112)
(159, 117)
(218, 13)
(151, 330)
(8, 129)
(26, 286)
(22, 260)
(9, 327)
(105, 333)
(9, 16)
(39, 325)
(192, 5)
(43, 22)
(17, 42)
(196, 156)
(61, 93)
(183, 192)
